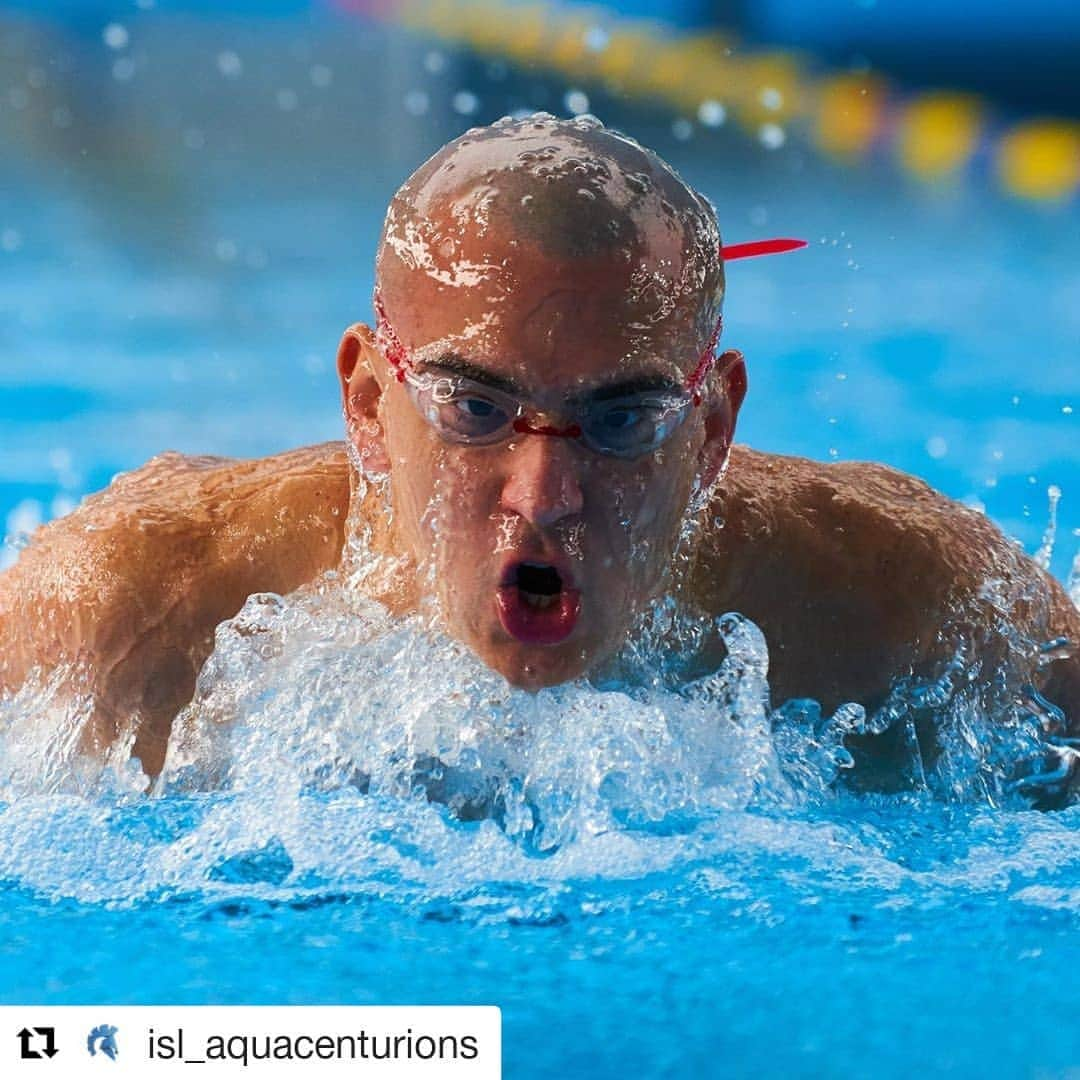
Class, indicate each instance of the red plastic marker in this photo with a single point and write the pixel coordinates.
(760, 247)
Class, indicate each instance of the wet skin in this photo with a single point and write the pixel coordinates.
(850, 569)
(561, 263)
(467, 514)
(856, 573)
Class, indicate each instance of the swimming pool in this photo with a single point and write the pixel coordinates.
(712, 908)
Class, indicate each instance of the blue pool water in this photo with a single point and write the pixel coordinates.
(180, 245)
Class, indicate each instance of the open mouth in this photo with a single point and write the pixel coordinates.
(538, 584)
(537, 604)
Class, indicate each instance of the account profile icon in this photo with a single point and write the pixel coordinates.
(103, 1038)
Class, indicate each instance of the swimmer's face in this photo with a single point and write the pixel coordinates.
(541, 552)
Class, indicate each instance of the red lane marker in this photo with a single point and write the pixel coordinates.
(760, 247)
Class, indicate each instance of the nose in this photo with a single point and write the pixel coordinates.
(542, 486)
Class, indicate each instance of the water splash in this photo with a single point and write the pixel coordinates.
(1073, 585)
(44, 745)
(323, 690)
(332, 744)
(1046, 549)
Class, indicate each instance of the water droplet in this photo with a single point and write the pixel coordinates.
(123, 69)
(682, 129)
(596, 39)
(937, 447)
(465, 102)
(771, 98)
(225, 249)
(229, 64)
(711, 113)
(576, 102)
(416, 102)
(115, 35)
(771, 136)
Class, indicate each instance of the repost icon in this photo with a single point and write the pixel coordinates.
(36, 1043)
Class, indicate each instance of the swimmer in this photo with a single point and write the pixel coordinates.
(541, 388)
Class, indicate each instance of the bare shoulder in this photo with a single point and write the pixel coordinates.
(178, 518)
(852, 569)
(133, 582)
(860, 510)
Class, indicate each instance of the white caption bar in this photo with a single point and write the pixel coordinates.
(389, 1042)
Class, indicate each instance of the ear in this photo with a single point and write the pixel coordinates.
(360, 395)
(721, 417)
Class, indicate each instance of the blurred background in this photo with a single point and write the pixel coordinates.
(191, 193)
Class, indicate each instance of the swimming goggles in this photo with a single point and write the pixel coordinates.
(467, 412)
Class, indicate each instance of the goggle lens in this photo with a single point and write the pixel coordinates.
(461, 411)
(630, 427)
(472, 414)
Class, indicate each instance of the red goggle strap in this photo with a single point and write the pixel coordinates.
(523, 427)
(760, 247)
(735, 251)
(396, 353)
(705, 364)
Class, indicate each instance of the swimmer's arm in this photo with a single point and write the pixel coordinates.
(126, 591)
(858, 573)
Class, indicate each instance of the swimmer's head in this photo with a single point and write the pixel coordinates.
(548, 292)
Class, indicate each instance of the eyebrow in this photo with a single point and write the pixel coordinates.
(455, 364)
(640, 384)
